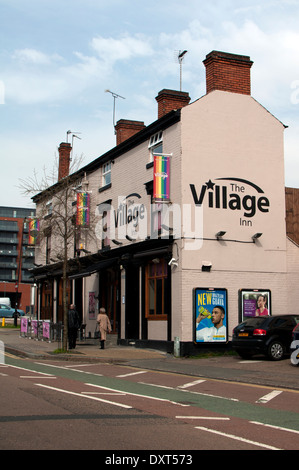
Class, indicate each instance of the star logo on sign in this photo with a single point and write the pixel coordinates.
(210, 185)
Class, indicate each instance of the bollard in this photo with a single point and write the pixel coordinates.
(176, 347)
(3, 321)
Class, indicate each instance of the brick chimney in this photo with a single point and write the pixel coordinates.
(228, 72)
(169, 100)
(125, 128)
(64, 160)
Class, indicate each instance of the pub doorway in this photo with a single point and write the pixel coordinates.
(109, 295)
(132, 301)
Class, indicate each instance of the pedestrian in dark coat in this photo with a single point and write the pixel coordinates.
(73, 326)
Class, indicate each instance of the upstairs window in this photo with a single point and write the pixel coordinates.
(155, 144)
(106, 174)
(49, 209)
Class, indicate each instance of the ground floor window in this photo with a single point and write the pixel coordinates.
(155, 293)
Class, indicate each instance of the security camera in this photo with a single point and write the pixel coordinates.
(173, 262)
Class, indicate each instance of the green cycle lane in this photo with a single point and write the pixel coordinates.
(221, 405)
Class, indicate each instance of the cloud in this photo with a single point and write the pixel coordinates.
(112, 50)
(35, 57)
(36, 77)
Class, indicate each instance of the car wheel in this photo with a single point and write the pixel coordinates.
(276, 351)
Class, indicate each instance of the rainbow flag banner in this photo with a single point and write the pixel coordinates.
(33, 231)
(83, 200)
(161, 178)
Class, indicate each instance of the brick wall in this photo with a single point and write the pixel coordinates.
(228, 72)
(168, 100)
(292, 213)
(64, 160)
(125, 129)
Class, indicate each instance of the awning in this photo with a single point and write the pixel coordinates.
(93, 268)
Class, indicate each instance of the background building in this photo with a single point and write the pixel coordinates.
(16, 256)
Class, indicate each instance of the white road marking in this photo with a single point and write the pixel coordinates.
(69, 368)
(191, 384)
(132, 373)
(269, 396)
(84, 396)
(139, 395)
(29, 370)
(155, 385)
(37, 377)
(105, 393)
(190, 391)
(247, 361)
(275, 427)
(204, 417)
(237, 438)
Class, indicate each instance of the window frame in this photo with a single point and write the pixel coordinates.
(155, 276)
(156, 141)
(106, 173)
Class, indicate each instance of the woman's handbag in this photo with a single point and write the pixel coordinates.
(97, 333)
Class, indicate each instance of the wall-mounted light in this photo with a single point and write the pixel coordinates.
(206, 266)
(173, 262)
(256, 236)
(220, 234)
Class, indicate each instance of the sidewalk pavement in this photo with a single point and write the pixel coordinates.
(87, 350)
(260, 371)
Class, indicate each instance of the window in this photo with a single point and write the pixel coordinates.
(106, 174)
(155, 144)
(156, 292)
(49, 208)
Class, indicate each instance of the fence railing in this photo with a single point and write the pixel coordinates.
(41, 330)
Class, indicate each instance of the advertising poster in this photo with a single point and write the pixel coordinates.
(24, 325)
(254, 302)
(92, 306)
(210, 308)
(46, 329)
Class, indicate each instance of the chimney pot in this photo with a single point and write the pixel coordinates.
(126, 128)
(64, 160)
(169, 100)
(228, 72)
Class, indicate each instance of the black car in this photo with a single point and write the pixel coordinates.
(294, 347)
(269, 335)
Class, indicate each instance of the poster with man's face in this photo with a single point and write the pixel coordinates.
(210, 312)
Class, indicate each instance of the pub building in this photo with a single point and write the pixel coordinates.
(182, 217)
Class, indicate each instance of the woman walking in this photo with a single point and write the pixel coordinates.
(104, 326)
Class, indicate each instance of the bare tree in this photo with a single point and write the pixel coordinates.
(56, 212)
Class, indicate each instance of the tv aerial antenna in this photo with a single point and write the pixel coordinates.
(74, 135)
(115, 95)
(180, 57)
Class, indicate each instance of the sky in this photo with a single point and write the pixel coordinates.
(57, 58)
